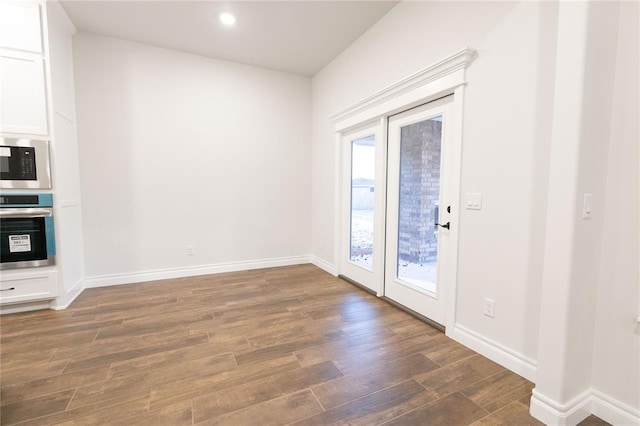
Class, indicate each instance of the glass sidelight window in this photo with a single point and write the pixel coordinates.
(362, 201)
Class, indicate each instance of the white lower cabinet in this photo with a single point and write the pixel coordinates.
(20, 287)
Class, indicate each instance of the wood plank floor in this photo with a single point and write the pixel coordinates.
(291, 345)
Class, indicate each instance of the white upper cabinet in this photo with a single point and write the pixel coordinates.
(23, 102)
(23, 99)
(20, 25)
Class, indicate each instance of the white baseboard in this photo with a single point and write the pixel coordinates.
(190, 271)
(613, 411)
(323, 264)
(25, 307)
(496, 352)
(551, 413)
(581, 407)
(69, 296)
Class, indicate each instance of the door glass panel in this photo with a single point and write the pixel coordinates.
(362, 196)
(420, 147)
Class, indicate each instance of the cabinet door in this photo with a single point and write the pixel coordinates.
(20, 25)
(23, 106)
(21, 287)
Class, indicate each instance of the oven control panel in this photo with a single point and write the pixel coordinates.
(26, 200)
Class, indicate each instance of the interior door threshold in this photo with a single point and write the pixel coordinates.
(403, 308)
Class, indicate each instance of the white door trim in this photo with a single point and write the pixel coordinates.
(445, 77)
(425, 85)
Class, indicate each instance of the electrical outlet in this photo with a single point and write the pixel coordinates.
(489, 308)
(190, 251)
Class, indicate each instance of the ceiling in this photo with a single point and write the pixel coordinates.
(298, 37)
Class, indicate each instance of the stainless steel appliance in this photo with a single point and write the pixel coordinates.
(24, 164)
(27, 238)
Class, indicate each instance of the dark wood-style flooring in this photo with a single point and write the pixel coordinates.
(291, 345)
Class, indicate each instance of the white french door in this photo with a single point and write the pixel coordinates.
(419, 202)
(362, 195)
(399, 201)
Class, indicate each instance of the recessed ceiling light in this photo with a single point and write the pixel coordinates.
(227, 19)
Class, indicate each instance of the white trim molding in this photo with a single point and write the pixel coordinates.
(64, 301)
(589, 402)
(164, 274)
(550, 412)
(516, 362)
(440, 77)
(612, 410)
(324, 265)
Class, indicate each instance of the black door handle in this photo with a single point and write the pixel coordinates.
(446, 225)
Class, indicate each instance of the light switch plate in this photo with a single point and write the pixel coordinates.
(474, 201)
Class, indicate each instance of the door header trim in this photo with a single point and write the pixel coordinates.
(433, 81)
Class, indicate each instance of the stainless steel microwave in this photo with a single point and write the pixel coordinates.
(24, 164)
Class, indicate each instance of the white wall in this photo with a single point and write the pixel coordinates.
(180, 150)
(616, 366)
(505, 144)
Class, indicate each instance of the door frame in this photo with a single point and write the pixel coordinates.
(446, 77)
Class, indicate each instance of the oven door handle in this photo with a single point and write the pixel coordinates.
(28, 213)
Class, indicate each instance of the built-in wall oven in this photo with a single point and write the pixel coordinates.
(27, 235)
(24, 164)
